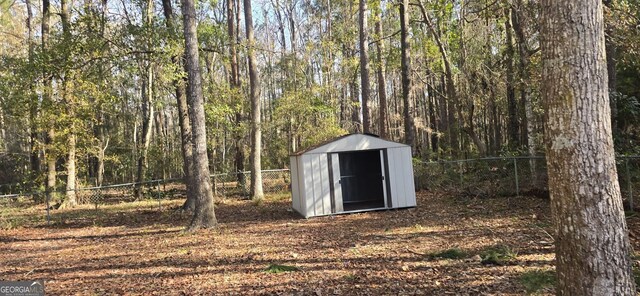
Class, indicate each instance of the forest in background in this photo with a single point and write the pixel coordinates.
(90, 89)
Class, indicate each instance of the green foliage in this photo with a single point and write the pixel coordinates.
(497, 255)
(537, 280)
(301, 115)
(276, 268)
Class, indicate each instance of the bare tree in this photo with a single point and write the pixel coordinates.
(592, 243)
(204, 215)
(256, 129)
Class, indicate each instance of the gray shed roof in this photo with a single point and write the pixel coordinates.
(350, 142)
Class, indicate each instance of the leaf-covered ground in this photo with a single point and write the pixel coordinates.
(137, 248)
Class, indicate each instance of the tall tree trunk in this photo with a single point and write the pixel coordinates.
(525, 89)
(365, 85)
(46, 98)
(186, 140)
(147, 106)
(147, 128)
(70, 200)
(592, 243)
(382, 92)
(409, 135)
(204, 215)
(234, 81)
(254, 93)
(103, 139)
(512, 104)
(34, 156)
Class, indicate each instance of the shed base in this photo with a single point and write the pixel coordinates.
(363, 205)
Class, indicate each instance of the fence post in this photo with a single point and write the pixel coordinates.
(515, 168)
(629, 184)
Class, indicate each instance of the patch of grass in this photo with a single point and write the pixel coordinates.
(453, 253)
(536, 280)
(351, 277)
(277, 268)
(8, 223)
(497, 255)
(10, 217)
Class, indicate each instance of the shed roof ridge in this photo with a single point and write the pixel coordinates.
(314, 147)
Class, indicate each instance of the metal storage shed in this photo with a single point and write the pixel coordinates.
(352, 173)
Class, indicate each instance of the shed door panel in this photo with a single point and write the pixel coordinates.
(336, 187)
(384, 179)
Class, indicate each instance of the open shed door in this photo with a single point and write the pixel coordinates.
(361, 179)
(336, 188)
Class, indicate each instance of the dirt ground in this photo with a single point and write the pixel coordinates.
(133, 249)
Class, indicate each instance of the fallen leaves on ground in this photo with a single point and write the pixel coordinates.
(131, 250)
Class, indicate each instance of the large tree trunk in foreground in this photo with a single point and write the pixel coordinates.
(592, 244)
(256, 129)
(204, 215)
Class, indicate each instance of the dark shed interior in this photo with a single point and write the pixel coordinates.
(361, 180)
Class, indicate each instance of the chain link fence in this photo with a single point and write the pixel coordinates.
(484, 177)
(510, 176)
(149, 193)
